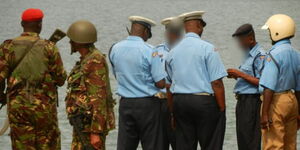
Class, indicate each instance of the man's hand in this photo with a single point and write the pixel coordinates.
(96, 141)
(219, 90)
(265, 122)
(234, 73)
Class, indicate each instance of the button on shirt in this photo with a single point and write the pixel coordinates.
(288, 75)
(163, 51)
(193, 64)
(252, 65)
(137, 67)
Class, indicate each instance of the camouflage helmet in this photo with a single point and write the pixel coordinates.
(82, 32)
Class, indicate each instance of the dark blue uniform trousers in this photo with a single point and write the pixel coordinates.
(139, 121)
(248, 122)
(198, 120)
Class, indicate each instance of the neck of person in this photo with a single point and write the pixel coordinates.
(30, 30)
(252, 45)
(83, 52)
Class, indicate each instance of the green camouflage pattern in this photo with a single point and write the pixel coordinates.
(89, 93)
(32, 109)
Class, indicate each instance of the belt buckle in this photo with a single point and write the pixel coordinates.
(160, 95)
(202, 94)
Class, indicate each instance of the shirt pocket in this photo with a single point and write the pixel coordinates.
(247, 69)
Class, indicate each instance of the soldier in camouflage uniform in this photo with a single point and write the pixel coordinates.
(89, 92)
(33, 69)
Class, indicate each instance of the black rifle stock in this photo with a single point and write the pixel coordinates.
(57, 36)
(77, 123)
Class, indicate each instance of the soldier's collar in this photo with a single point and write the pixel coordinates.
(284, 41)
(30, 34)
(192, 34)
(91, 50)
(134, 38)
(254, 50)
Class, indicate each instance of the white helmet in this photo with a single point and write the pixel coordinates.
(280, 27)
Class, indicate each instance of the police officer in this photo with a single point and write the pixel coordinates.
(279, 80)
(89, 95)
(140, 75)
(33, 69)
(196, 73)
(246, 89)
(173, 34)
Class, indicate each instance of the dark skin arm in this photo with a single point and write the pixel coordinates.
(2, 94)
(169, 98)
(170, 105)
(297, 93)
(268, 97)
(219, 90)
(161, 84)
(234, 73)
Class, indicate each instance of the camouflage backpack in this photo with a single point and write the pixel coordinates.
(29, 64)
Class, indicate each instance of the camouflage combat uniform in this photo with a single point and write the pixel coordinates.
(32, 109)
(89, 93)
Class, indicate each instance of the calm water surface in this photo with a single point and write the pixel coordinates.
(110, 18)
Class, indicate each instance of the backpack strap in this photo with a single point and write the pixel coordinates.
(253, 64)
(276, 63)
(27, 50)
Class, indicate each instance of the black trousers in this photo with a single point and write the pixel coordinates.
(248, 122)
(167, 131)
(197, 118)
(139, 120)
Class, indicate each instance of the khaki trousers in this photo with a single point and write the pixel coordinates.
(282, 134)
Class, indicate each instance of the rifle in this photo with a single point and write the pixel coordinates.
(56, 36)
(77, 122)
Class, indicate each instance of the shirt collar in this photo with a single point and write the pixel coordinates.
(254, 50)
(285, 41)
(135, 38)
(91, 51)
(192, 34)
(30, 34)
(167, 46)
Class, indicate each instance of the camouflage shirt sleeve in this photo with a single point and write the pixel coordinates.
(57, 69)
(96, 92)
(4, 66)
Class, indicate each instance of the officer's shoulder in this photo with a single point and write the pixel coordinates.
(48, 44)
(97, 57)
(117, 44)
(149, 45)
(160, 46)
(208, 45)
(6, 44)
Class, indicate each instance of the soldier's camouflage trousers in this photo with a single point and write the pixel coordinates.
(33, 125)
(77, 144)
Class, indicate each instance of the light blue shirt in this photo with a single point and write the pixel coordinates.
(137, 67)
(163, 51)
(287, 76)
(252, 65)
(192, 65)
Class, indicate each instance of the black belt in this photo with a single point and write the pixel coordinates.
(138, 97)
(194, 94)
